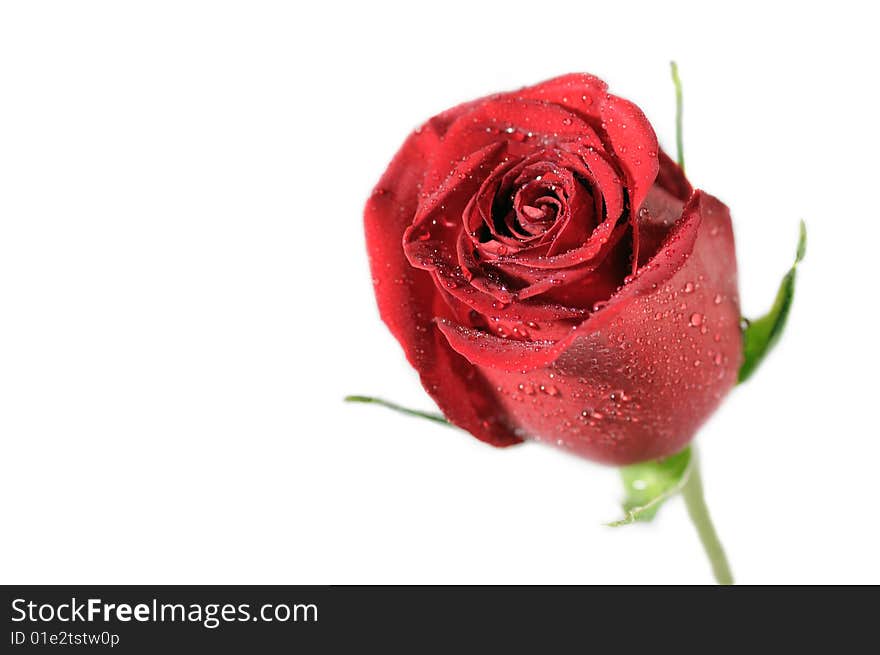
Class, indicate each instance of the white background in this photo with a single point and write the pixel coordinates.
(184, 294)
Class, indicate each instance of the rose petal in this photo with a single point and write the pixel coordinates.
(522, 124)
(638, 377)
(408, 300)
(630, 135)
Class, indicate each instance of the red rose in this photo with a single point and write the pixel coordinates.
(551, 274)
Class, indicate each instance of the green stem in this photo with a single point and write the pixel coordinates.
(679, 140)
(431, 416)
(699, 513)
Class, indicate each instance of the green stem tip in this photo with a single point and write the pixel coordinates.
(679, 140)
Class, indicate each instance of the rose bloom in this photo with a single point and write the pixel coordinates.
(551, 274)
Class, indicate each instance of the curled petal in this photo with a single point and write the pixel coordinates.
(522, 122)
(408, 301)
(482, 349)
(630, 136)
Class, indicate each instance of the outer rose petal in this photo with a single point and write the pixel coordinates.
(671, 178)
(637, 379)
(409, 300)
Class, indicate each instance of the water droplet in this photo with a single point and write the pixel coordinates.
(689, 287)
(717, 299)
(549, 389)
(696, 320)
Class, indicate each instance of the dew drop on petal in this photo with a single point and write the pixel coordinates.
(549, 389)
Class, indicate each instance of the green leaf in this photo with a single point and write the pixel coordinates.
(431, 416)
(761, 334)
(649, 484)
